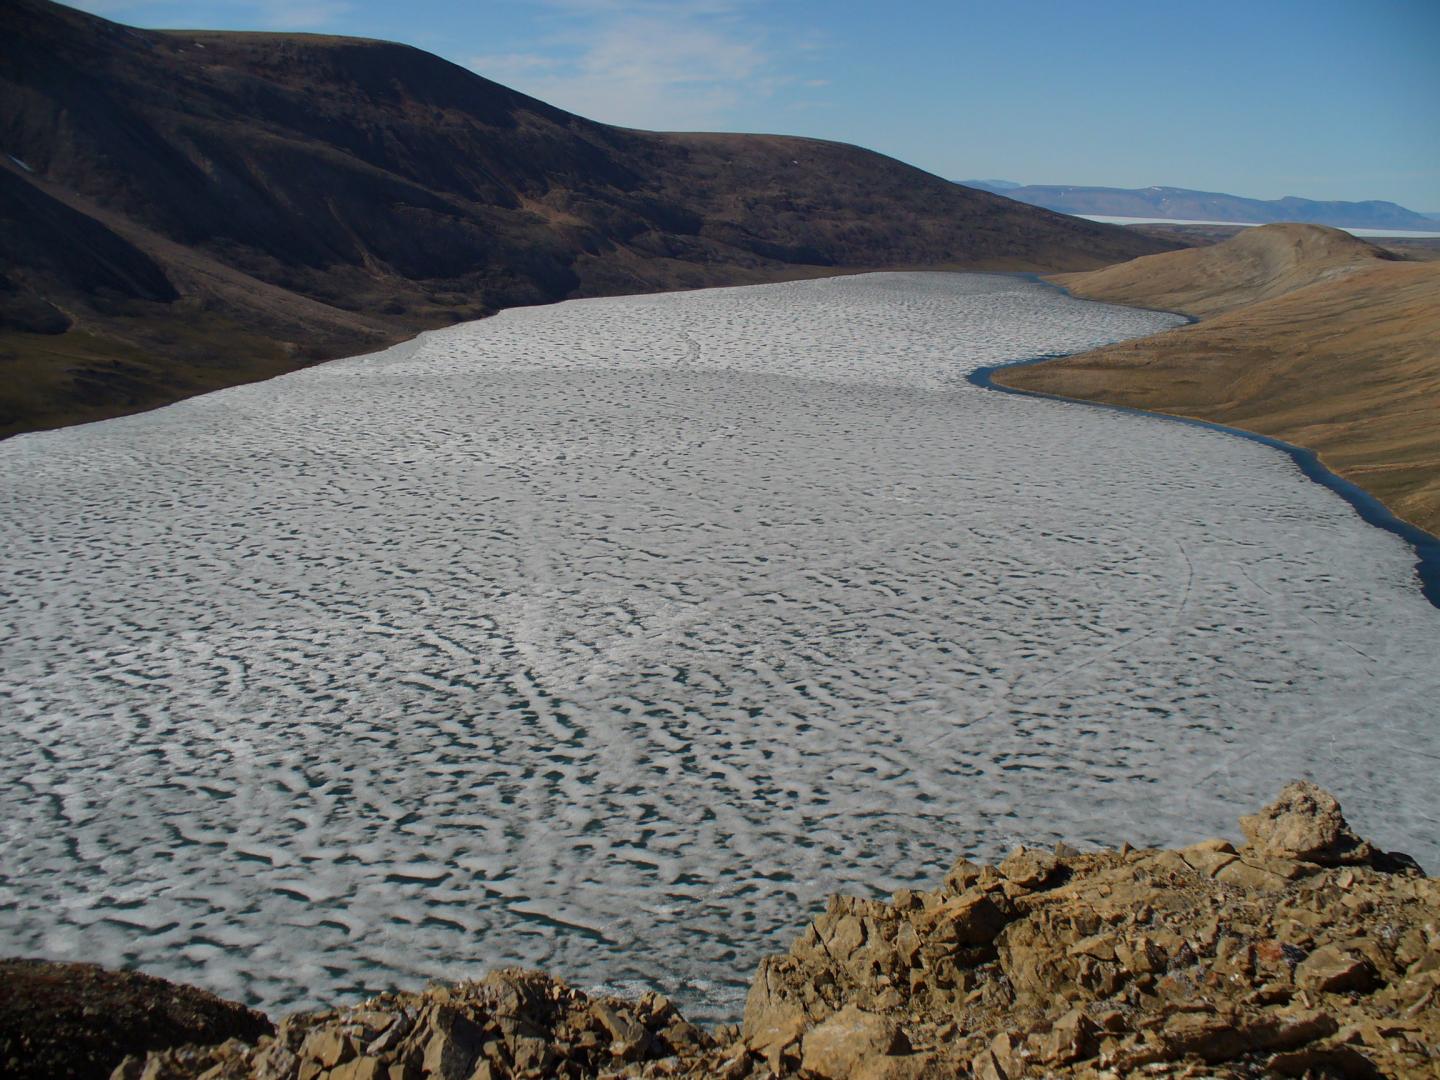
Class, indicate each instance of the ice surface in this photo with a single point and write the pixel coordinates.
(611, 636)
(1361, 231)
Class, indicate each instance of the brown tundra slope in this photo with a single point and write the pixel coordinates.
(1308, 334)
(186, 210)
(1301, 952)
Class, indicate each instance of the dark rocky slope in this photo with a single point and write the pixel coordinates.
(79, 1020)
(186, 210)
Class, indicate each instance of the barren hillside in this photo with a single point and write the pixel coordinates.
(1324, 342)
(1255, 264)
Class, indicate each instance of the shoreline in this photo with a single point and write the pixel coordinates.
(1425, 545)
(1302, 948)
(401, 335)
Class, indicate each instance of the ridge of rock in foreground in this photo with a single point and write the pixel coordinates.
(1306, 952)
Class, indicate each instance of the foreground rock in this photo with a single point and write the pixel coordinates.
(511, 1023)
(60, 1020)
(1305, 952)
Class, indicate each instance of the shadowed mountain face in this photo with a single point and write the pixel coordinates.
(1184, 204)
(186, 210)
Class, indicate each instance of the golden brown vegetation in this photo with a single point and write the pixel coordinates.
(1312, 336)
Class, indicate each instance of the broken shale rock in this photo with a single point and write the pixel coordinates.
(1305, 823)
(1299, 948)
(511, 1024)
(1304, 952)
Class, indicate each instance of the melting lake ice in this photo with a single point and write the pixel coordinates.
(611, 636)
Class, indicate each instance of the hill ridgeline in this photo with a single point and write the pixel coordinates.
(190, 209)
(1303, 951)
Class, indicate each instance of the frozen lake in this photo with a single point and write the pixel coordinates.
(609, 637)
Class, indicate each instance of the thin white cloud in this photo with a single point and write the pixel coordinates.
(644, 63)
(108, 8)
(257, 14)
(672, 64)
(311, 15)
(672, 8)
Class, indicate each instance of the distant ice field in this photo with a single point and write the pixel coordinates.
(610, 637)
(1361, 231)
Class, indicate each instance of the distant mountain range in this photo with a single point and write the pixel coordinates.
(184, 210)
(1188, 205)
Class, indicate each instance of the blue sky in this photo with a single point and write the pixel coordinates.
(1323, 99)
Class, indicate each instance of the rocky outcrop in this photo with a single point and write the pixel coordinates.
(1305, 823)
(511, 1023)
(1304, 952)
